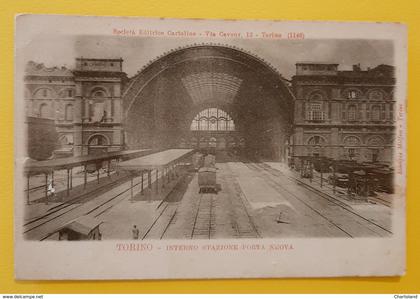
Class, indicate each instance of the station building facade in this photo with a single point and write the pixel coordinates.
(85, 104)
(343, 115)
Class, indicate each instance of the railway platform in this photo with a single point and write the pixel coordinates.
(160, 195)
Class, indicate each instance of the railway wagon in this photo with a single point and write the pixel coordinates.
(207, 180)
(210, 161)
(197, 161)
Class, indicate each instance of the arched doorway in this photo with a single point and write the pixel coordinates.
(97, 144)
(209, 91)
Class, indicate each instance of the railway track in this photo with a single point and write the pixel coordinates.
(119, 191)
(203, 227)
(370, 225)
(35, 230)
(204, 220)
(243, 222)
(69, 205)
(166, 214)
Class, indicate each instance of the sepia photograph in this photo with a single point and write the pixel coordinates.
(228, 138)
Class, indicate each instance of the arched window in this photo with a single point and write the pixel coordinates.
(68, 113)
(376, 95)
(67, 93)
(351, 141)
(375, 113)
(375, 141)
(98, 140)
(98, 94)
(316, 141)
(44, 111)
(43, 93)
(212, 119)
(352, 113)
(316, 97)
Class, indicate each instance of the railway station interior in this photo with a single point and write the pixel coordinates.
(208, 142)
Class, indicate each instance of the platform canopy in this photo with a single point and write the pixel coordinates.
(155, 161)
(33, 166)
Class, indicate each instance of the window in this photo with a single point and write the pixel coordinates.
(352, 113)
(97, 112)
(352, 94)
(375, 113)
(316, 97)
(67, 93)
(351, 141)
(316, 141)
(98, 94)
(315, 112)
(44, 111)
(352, 153)
(212, 119)
(375, 141)
(98, 140)
(68, 113)
(376, 95)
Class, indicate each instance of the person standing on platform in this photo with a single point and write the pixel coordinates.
(135, 232)
(50, 191)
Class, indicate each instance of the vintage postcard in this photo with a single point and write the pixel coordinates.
(166, 149)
